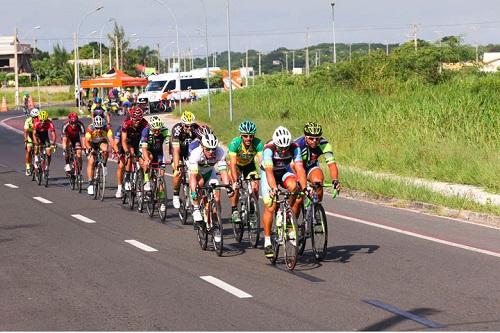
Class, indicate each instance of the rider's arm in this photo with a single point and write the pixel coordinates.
(299, 167)
(259, 148)
(166, 146)
(53, 134)
(193, 170)
(111, 139)
(327, 151)
(267, 163)
(124, 140)
(88, 137)
(232, 152)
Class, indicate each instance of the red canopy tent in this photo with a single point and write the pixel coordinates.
(114, 78)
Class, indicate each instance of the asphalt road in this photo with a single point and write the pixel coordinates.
(386, 269)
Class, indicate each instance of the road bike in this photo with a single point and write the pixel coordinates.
(185, 208)
(313, 224)
(41, 166)
(99, 179)
(136, 180)
(284, 230)
(158, 193)
(248, 208)
(75, 173)
(211, 224)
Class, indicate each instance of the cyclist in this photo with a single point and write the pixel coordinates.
(97, 137)
(131, 137)
(155, 143)
(243, 151)
(278, 155)
(201, 163)
(312, 145)
(98, 109)
(73, 132)
(26, 102)
(28, 138)
(182, 134)
(120, 154)
(41, 130)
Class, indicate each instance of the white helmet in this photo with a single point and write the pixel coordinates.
(282, 137)
(99, 122)
(34, 113)
(209, 141)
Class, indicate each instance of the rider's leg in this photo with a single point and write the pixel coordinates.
(90, 168)
(290, 183)
(315, 175)
(65, 148)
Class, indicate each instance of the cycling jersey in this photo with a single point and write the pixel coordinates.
(199, 163)
(98, 135)
(182, 138)
(193, 145)
(310, 155)
(29, 124)
(134, 133)
(42, 129)
(280, 160)
(154, 143)
(244, 155)
(101, 109)
(73, 133)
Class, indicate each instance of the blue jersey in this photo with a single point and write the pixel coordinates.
(193, 145)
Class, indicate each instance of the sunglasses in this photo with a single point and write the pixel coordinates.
(210, 149)
(246, 136)
(313, 138)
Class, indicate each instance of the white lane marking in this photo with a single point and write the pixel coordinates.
(413, 234)
(42, 200)
(4, 124)
(82, 218)
(225, 286)
(11, 185)
(140, 245)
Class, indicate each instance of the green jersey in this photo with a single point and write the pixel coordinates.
(244, 155)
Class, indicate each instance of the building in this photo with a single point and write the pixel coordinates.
(24, 53)
(491, 61)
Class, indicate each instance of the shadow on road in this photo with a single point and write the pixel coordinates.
(18, 226)
(396, 319)
(343, 253)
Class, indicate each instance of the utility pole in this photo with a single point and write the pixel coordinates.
(75, 64)
(386, 48)
(93, 64)
(117, 60)
(319, 57)
(286, 61)
(350, 52)
(260, 73)
(158, 46)
(369, 48)
(293, 60)
(16, 68)
(333, 34)
(414, 29)
(246, 68)
(307, 52)
(110, 58)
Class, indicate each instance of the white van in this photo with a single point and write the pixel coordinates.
(169, 82)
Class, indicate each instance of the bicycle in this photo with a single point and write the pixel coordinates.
(99, 179)
(75, 174)
(185, 208)
(248, 207)
(154, 196)
(284, 230)
(211, 223)
(136, 179)
(314, 224)
(41, 167)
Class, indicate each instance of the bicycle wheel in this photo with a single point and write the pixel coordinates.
(216, 231)
(276, 231)
(162, 198)
(290, 237)
(102, 182)
(202, 235)
(132, 193)
(319, 233)
(151, 198)
(45, 171)
(184, 200)
(301, 231)
(38, 174)
(72, 174)
(238, 227)
(140, 195)
(97, 181)
(253, 221)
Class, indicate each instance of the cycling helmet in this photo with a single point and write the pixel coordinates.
(282, 137)
(155, 123)
(313, 129)
(248, 127)
(203, 130)
(44, 115)
(26, 93)
(99, 122)
(34, 113)
(187, 118)
(73, 117)
(136, 113)
(127, 104)
(98, 100)
(209, 141)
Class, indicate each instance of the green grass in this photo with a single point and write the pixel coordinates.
(45, 97)
(58, 111)
(446, 132)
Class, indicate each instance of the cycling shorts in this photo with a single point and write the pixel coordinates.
(281, 177)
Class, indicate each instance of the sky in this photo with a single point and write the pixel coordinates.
(262, 25)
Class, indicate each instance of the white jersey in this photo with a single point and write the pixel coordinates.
(198, 163)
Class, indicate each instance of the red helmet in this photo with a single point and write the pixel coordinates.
(136, 113)
(73, 117)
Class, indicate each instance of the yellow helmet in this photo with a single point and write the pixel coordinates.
(187, 118)
(44, 115)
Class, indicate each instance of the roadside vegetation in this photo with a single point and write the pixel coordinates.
(398, 113)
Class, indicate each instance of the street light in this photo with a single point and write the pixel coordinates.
(100, 43)
(206, 57)
(178, 52)
(78, 52)
(30, 32)
(333, 34)
(121, 49)
(229, 63)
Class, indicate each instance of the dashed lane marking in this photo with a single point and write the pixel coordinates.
(414, 234)
(82, 218)
(11, 185)
(42, 200)
(141, 246)
(409, 315)
(226, 287)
